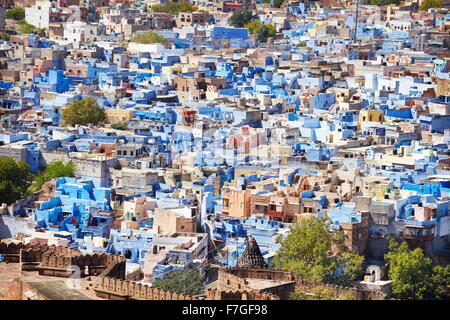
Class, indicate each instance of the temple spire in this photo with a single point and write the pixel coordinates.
(252, 257)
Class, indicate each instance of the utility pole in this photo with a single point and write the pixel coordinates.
(356, 21)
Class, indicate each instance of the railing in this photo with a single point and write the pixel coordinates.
(418, 237)
(275, 213)
(430, 223)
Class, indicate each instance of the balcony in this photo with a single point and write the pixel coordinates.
(423, 237)
(275, 213)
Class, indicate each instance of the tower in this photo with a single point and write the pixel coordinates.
(252, 257)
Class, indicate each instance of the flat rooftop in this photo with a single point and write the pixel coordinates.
(261, 284)
(54, 288)
(57, 290)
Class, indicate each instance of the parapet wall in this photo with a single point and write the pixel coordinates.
(56, 261)
(336, 291)
(238, 295)
(51, 258)
(116, 289)
(266, 274)
(231, 279)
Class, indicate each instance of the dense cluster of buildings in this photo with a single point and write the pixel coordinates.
(226, 138)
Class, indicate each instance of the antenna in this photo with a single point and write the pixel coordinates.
(237, 252)
(227, 258)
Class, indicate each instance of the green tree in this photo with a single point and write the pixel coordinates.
(413, 275)
(263, 31)
(83, 112)
(5, 36)
(321, 293)
(55, 169)
(441, 275)
(306, 252)
(343, 269)
(15, 14)
(26, 28)
(120, 125)
(15, 177)
(187, 281)
(428, 4)
(298, 295)
(240, 18)
(173, 7)
(150, 37)
(278, 3)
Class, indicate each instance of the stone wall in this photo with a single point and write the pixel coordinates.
(336, 291)
(110, 284)
(259, 274)
(117, 289)
(231, 279)
(12, 226)
(115, 270)
(59, 261)
(18, 206)
(238, 295)
(234, 279)
(50, 155)
(15, 290)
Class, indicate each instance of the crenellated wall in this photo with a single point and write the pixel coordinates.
(60, 261)
(214, 294)
(336, 291)
(117, 289)
(234, 279)
(111, 283)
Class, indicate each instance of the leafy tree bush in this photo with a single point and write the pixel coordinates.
(5, 36)
(264, 31)
(187, 281)
(173, 7)
(306, 252)
(150, 37)
(26, 28)
(413, 275)
(15, 177)
(320, 293)
(120, 125)
(15, 14)
(240, 18)
(54, 169)
(83, 112)
(278, 3)
(428, 4)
